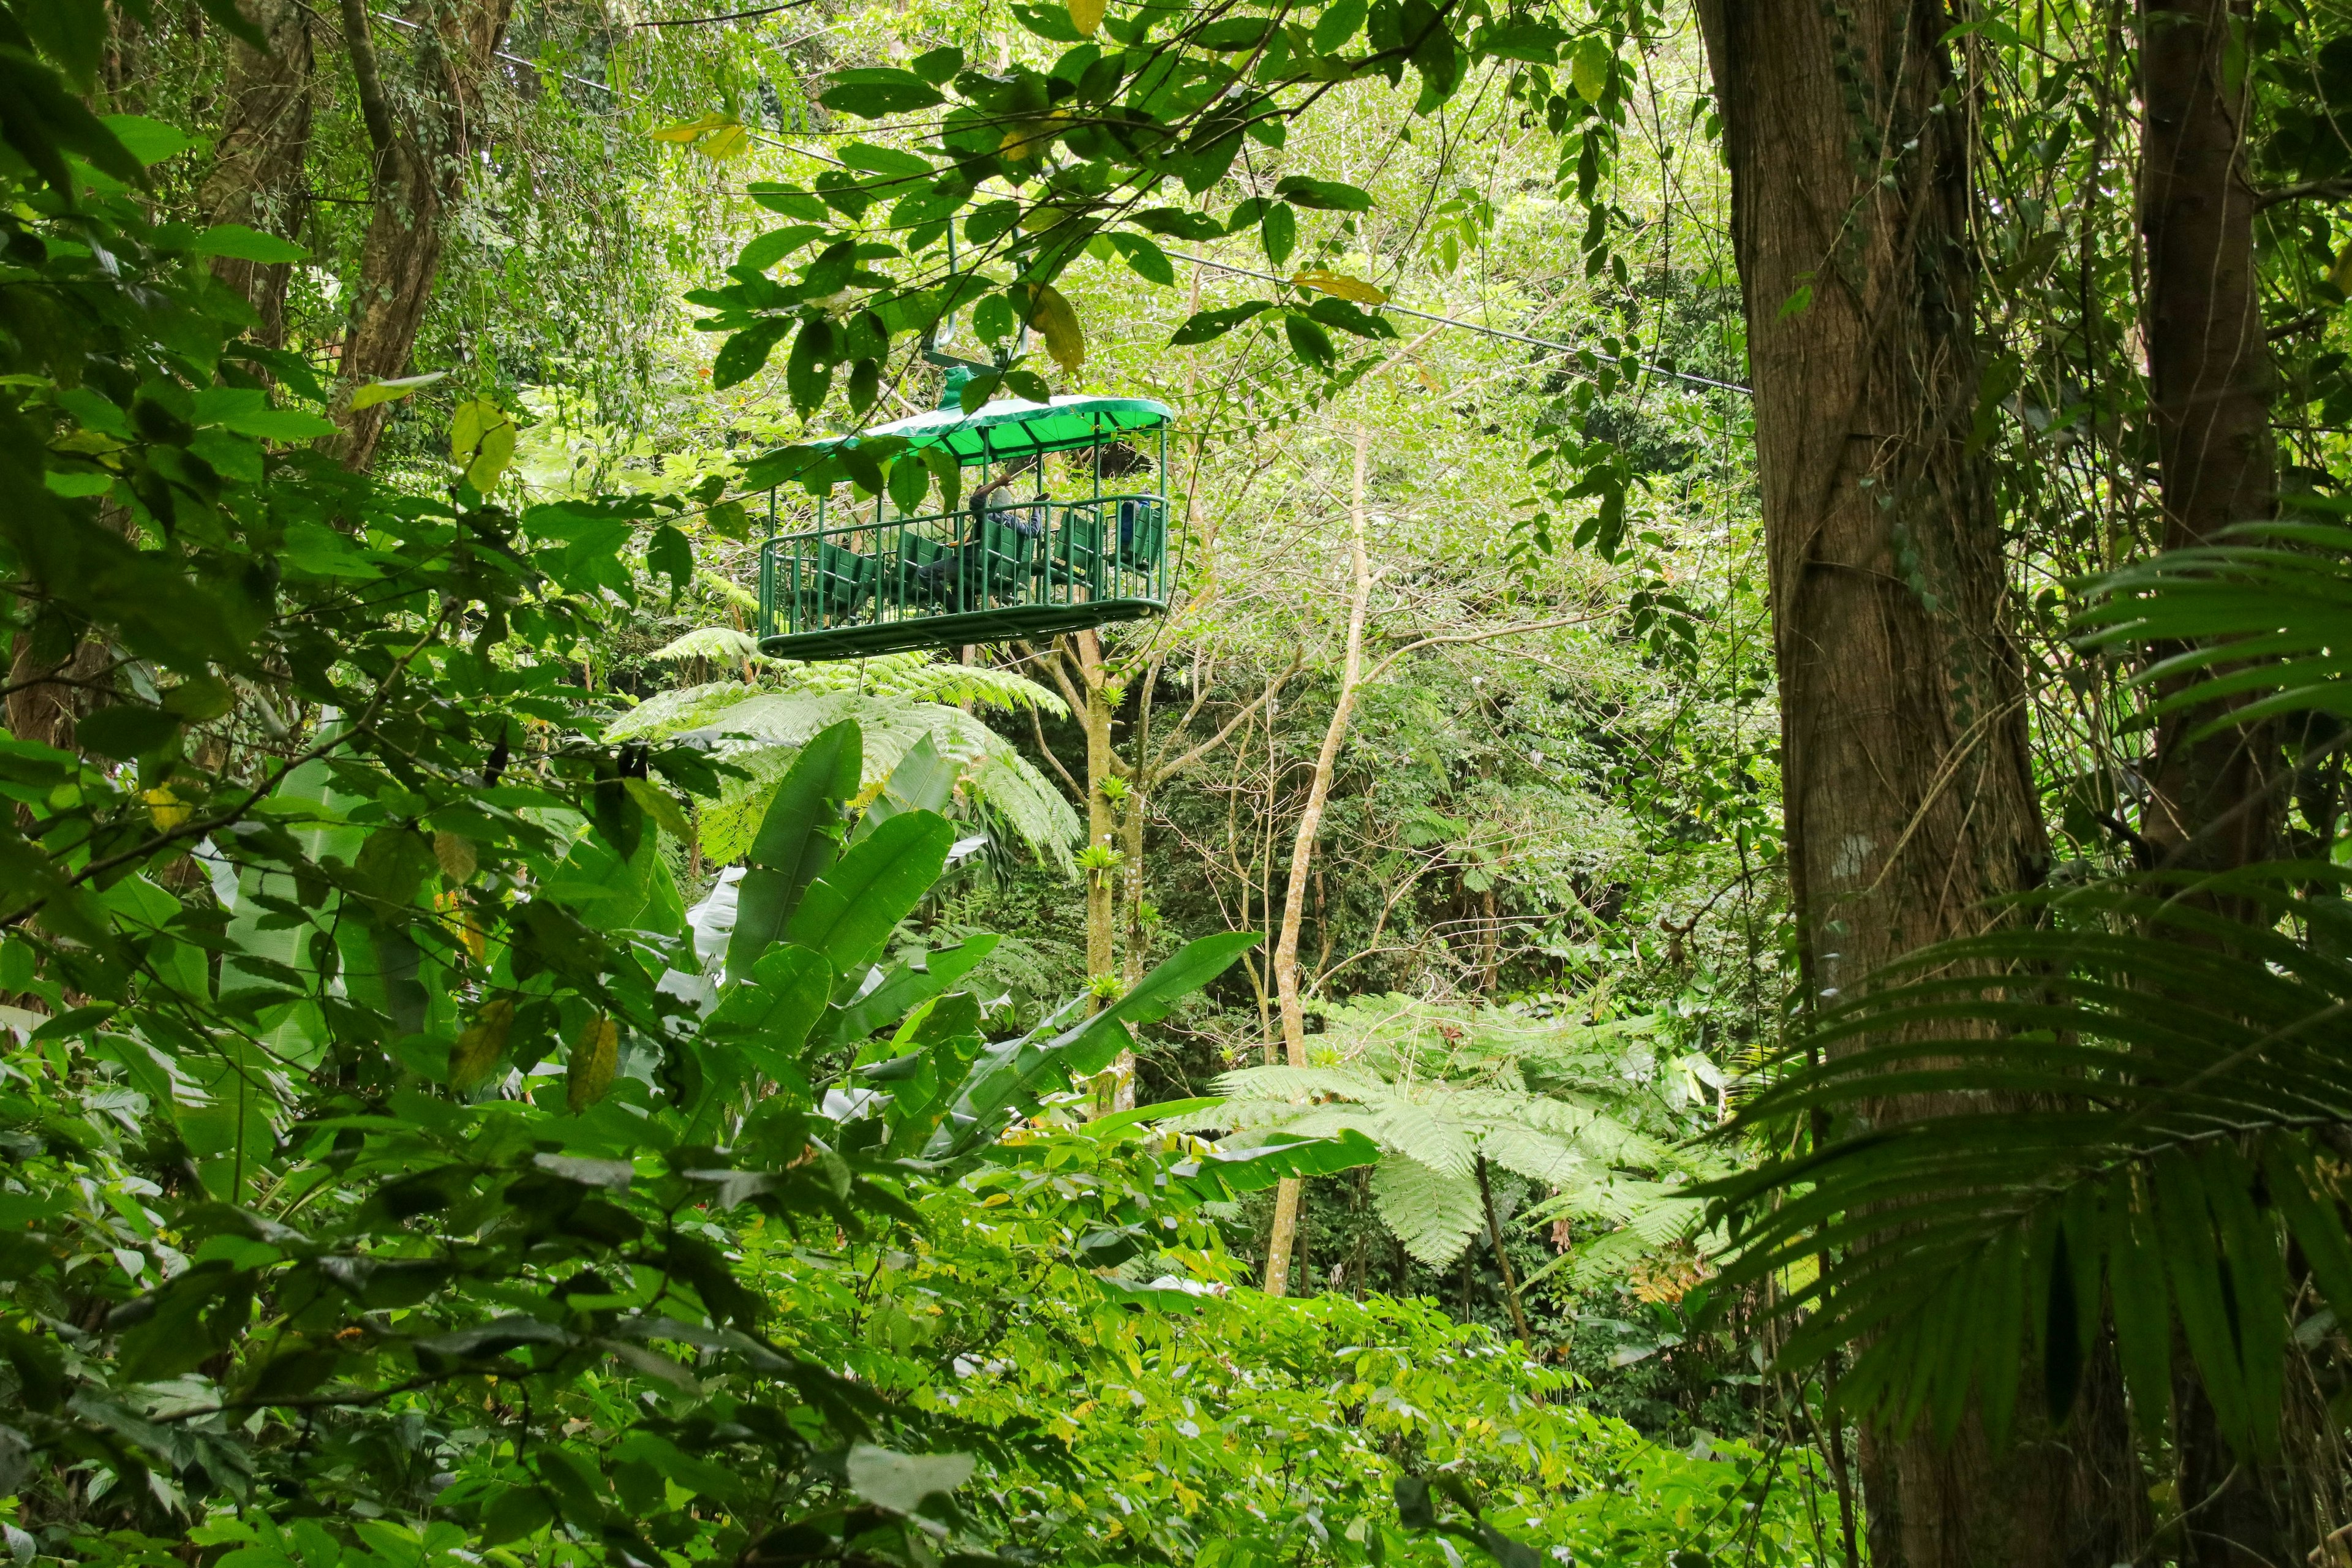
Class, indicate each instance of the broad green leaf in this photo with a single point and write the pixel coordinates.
(902, 1482)
(772, 1010)
(236, 241)
(662, 806)
(1051, 314)
(481, 443)
(1278, 234)
(872, 94)
(745, 353)
(1148, 261)
(905, 987)
(1525, 38)
(152, 141)
(797, 840)
(1325, 195)
(483, 1043)
(850, 911)
(923, 780)
(1230, 1170)
(1211, 324)
(1308, 341)
(1337, 25)
(765, 250)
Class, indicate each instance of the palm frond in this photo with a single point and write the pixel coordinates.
(2137, 1095)
(2266, 613)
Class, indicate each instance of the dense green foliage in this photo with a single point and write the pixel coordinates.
(499, 1068)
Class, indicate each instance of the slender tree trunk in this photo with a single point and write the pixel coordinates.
(1101, 825)
(1502, 1258)
(2210, 807)
(1302, 856)
(1141, 781)
(258, 176)
(422, 142)
(1909, 797)
(1114, 1089)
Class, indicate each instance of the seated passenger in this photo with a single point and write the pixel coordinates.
(984, 499)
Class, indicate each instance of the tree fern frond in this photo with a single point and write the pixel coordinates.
(711, 642)
(920, 677)
(1433, 1213)
(1536, 1155)
(1300, 1085)
(761, 729)
(1440, 1085)
(667, 713)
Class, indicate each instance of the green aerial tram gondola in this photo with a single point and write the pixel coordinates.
(863, 582)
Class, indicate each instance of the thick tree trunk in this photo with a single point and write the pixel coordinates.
(1909, 788)
(1302, 858)
(2210, 385)
(422, 140)
(258, 173)
(2211, 802)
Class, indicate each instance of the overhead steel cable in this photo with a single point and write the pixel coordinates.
(1682, 376)
(1621, 360)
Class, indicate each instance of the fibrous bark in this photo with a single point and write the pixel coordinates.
(423, 130)
(2210, 806)
(2208, 389)
(258, 176)
(1908, 789)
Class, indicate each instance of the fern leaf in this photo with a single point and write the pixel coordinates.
(1433, 1213)
(711, 642)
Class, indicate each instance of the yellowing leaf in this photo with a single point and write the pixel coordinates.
(480, 1046)
(1051, 315)
(1028, 139)
(596, 1058)
(1085, 16)
(166, 808)
(376, 392)
(1340, 284)
(481, 442)
(2341, 273)
(727, 141)
(1589, 70)
(454, 852)
(687, 130)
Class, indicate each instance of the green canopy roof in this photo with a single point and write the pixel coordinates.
(1013, 427)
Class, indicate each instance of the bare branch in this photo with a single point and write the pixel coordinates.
(1274, 690)
(2304, 191)
(374, 109)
